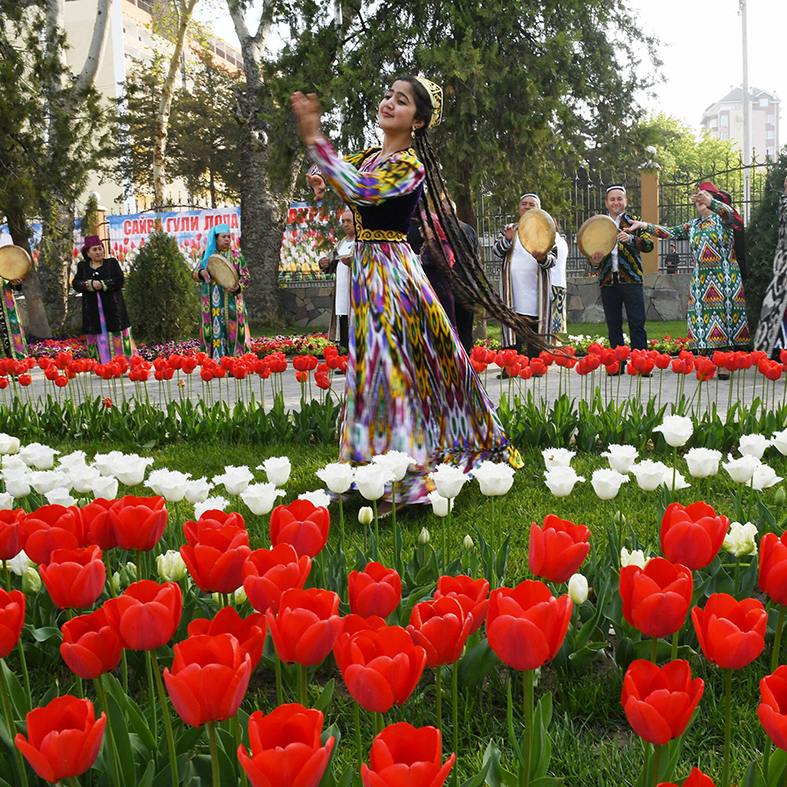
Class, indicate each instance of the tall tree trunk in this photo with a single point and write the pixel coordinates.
(37, 322)
(57, 242)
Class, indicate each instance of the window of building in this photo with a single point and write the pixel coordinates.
(725, 135)
(769, 118)
(764, 102)
(713, 122)
(769, 152)
(724, 121)
(770, 134)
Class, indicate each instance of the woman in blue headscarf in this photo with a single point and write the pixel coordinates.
(224, 327)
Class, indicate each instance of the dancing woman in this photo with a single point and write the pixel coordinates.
(410, 385)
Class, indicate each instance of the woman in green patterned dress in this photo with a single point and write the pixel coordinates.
(717, 309)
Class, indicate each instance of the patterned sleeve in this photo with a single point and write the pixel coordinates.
(398, 175)
(724, 212)
(501, 246)
(243, 271)
(678, 232)
(116, 280)
(79, 282)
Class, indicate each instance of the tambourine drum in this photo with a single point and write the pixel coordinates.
(537, 231)
(222, 272)
(597, 234)
(15, 262)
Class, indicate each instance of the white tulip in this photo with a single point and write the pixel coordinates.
(578, 589)
(621, 457)
(779, 442)
(396, 463)
(83, 478)
(104, 487)
(44, 481)
(557, 457)
(319, 498)
(764, 477)
(107, 463)
(634, 558)
(561, 480)
(74, 459)
(365, 515)
(170, 484)
(703, 462)
(370, 481)
(494, 478)
(12, 463)
(8, 444)
(674, 480)
(42, 457)
(741, 539)
(741, 470)
(211, 504)
(60, 497)
(234, 479)
(440, 505)
(649, 474)
(753, 445)
(448, 480)
(677, 429)
(278, 469)
(17, 483)
(606, 483)
(20, 563)
(6, 501)
(132, 470)
(170, 566)
(260, 498)
(337, 476)
(197, 490)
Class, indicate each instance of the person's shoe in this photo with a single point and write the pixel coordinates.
(724, 375)
(646, 374)
(503, 375)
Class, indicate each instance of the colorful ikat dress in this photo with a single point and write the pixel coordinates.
(410, 385)
(717, 309)
(12, 334)
(224, 327)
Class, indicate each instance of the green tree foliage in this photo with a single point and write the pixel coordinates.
(761, 237)
(160, 292)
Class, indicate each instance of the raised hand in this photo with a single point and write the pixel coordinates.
(633, 226)
(307, 110)
(702, 197)
(318, 185)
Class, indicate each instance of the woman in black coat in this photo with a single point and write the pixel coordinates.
(105, 320)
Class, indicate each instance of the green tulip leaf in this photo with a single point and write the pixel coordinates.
(120, 737)
(476, 664)
(19, 701)
(326, 696)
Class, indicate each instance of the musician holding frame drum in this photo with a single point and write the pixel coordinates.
(15, 264)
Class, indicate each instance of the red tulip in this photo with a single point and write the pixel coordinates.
(267, 573)
(12, 618)
(250, 632)
(660, 701)
(10, 543)
(215, 561)
(98, 523)
(49, 528)
(63, 738)
(376, 590)
(470, 593)
(139, 522)
(91, 646)
(731, 632)
(526, 625)
(692, 535)
(306, 626)
(352, 624)
(74, 577)
(209, 678)
(773, 567)
(772, 710)
(441, 628)
(696, 779)
(656, 598)
(301, 524)
(405, 755)
(285, 748)
(380, 667)
(212, 519)
(146, 615)
(558, 549)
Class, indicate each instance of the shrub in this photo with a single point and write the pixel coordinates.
(161, 295)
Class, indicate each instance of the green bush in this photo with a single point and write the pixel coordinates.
(761, 236)
(161, 296)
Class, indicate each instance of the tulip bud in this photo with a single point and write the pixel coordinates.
(31, 582)
(619, 519)
(125, 577)
(240, 596)
(424, 538)
(171, 566)
(468, 544)
(634, 558)
(366, 515)
(578, 589)
(780, 496)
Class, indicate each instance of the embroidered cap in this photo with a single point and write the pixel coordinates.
(436, 98)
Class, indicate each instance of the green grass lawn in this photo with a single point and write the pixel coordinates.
(593, 745)
(655, 329)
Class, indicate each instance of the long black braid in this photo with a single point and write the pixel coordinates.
(468, 277)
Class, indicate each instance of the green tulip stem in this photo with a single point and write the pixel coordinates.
(527, 743)
(376, 531)
(73, 781)
(379, 722)
(214, 753)
(455, 710)
(152, 690)
(25, 674)
(102, 698)
(656, 763)
(341, 526)
(654, 648)
(446, 529)
(357, 725)
(393, 517)
(9, 723)
(108, 564)
(173, 760)
(302, 683)
(777, 643)
(124, 662)
(438, 687)
(725, 778)
(6, 577)
(736, 574)
(675, 638)
(139, 564)
(238, 735)
(279, 687)
(674, 467)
